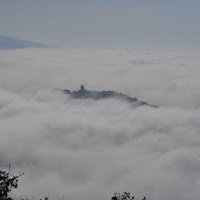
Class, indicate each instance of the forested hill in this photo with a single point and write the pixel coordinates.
(98, 95)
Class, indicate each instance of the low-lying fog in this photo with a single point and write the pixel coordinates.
(87, 149)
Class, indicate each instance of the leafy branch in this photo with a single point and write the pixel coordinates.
(8, 181)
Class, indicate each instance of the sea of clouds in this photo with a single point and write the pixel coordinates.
(87, 149)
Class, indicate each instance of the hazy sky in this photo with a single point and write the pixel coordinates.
(103, 23)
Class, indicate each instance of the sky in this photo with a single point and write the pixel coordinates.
(100, 23)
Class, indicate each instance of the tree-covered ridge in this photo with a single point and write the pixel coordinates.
(98, 95)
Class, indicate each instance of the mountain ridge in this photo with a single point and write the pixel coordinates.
(7, 42)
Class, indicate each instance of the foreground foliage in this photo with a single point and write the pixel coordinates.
(8, 181)
(124, 196)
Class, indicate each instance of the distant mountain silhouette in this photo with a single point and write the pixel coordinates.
(85, 94)
(14, 43)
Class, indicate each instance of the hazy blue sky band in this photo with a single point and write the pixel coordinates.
(101, 22)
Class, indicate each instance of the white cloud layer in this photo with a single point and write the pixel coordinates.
(91, 149)
(86, 149)
(169, 79)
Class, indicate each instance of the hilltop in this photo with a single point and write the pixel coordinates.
(98, 95)
(14, 43)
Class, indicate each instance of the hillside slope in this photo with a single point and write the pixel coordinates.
(14, 43)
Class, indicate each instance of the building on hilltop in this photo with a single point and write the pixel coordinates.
(82, 87)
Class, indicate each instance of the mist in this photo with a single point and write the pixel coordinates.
(88, 149)
(160, 77)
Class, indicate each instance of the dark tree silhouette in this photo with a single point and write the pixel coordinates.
(124, 196)
(8, 181)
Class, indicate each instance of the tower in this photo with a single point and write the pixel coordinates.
(82, 87)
